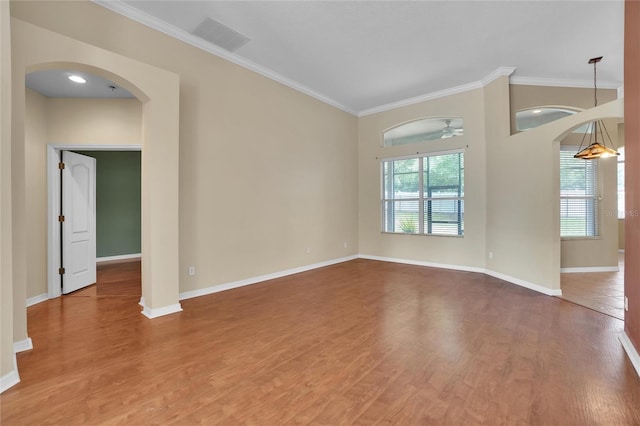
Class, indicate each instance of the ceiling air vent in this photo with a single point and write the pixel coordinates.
(219, 34)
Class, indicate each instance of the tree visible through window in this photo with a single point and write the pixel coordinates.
(578, 196)
(424, 194)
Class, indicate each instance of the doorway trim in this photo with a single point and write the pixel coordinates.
(53, 206)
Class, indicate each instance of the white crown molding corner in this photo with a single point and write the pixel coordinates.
(10, 379)
(631, 351)
(143, 18)
(255, 280)
(23, 345)
(498, 72)
(160, 312)
(37, 299)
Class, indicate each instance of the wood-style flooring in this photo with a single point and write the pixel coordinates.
(601, 291)
(361, 342)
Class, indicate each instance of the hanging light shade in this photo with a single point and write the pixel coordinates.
(596, 148)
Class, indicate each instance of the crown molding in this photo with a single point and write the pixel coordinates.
(121, 8)
(143, 18)
(557, 82)
(499, 72)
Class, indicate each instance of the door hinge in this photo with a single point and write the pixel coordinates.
(61, 271)
(61, 218)
(61, 165)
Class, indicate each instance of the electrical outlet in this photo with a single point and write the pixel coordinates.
(192, 270)
(308, 249)
(345, 244)
(626, 303)
(490, 255)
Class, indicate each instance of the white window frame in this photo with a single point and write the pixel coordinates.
(592, 209)
(421, 198)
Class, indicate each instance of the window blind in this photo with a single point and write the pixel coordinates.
(579, 206)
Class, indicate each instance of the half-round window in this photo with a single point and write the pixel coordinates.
(425, 129)
(534, 117)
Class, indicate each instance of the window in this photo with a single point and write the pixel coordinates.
(621, 183)
(534, 117)
(578, 195)
(424, 129)
(424, 194)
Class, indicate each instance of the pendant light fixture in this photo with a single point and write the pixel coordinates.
(596, 149)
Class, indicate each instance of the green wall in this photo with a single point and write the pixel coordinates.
(118, 228)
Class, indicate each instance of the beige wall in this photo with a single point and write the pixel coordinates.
(534, 191)
(580, 253)
(94, 121)
(523, 243)
(7, 358)
(265, 172)
(526, 97)
(620, 234)
(66, 121)
(467, 251)
(35, 140)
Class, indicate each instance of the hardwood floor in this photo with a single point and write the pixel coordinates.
(601, 291)
(362, 342)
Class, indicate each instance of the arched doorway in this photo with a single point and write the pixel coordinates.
(158, 90)
(590, 274)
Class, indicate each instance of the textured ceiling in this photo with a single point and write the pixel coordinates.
(364, 56)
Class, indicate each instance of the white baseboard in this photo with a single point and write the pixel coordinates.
(120, 257)
(241, 283)
(23, 345)
(159, 312)
(590, 269)
(37, 299)
(525, 284)
(255, 280)
(631, 351)
(512, 280)
(423, 263)
(10, 379)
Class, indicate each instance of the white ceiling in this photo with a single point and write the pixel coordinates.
(364, 56)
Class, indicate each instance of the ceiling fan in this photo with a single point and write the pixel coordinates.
(448, 131)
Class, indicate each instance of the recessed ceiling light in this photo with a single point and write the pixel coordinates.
(536, 111)
(77, 79)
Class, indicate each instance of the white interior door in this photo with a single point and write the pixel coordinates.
(79, 224)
